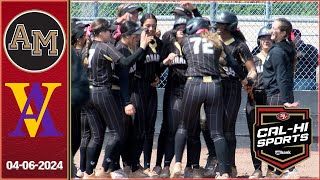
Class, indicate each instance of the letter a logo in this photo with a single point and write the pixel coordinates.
(31, 120)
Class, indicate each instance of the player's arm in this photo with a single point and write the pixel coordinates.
(231, 62)
(247, 59)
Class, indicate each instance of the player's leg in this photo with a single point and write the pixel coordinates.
(213, 107)
(232, 101)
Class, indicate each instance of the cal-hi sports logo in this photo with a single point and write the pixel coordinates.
(39, 115)
(282, 137)
(34, 41)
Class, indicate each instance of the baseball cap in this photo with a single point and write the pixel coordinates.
(130, 8)
(78, 24)
(182, 12)
(78, 29)
(133, 30)
(112, 27)
(137, 30)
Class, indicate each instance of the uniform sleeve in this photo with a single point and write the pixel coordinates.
(124, 77)
(124, 84)
(159, 69)
(279, 63)
(167, 36)
(117, 57)
(80, 85)
(184, 46)
(245, 53)
(165, 51)
(113, 53)
(231, 62)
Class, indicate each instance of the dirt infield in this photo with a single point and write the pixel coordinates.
(309, 168)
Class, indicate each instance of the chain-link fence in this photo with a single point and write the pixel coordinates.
(251, 15)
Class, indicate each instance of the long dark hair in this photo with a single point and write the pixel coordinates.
(287, 27)
(97, 26)
(239, 35)
(147, 16)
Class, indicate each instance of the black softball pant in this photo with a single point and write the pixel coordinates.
(75, 135)
(260, 98)
(145, 100)
(206, 135)
(231, 100)
(76, 130)
(193, 145)
(275, 100)
(104, 102)
(173, 134)
(172, 104)
(121, 150)
(196, 93)
(92, 134)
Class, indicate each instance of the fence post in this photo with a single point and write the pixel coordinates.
(213, 10)
(268, 12)
(95, 9)
(148, 7)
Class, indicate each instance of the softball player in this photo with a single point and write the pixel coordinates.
(202, 50)
(278, 72)
(176, 79)
(187, 10)
(79, 97)
(226, 27)
(126, 12)
(78, 42)
(101, 55)
(257, 95)
(78, 38)
(144, 98)
(91, 133)
(129, 40)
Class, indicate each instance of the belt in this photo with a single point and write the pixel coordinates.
(230, 78)
(204, 78)
(259, 90)
(98, 87)
(113, 87)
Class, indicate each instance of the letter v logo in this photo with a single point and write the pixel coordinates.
(33, 121)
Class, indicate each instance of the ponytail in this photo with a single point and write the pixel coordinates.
(294, 59)
(213, 37)
(287, 27)
(87, 47)
(239, 35)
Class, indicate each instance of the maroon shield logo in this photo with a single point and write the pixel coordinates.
(282, 137)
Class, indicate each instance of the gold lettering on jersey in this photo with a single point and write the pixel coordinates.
(152, 58)
(178, 60)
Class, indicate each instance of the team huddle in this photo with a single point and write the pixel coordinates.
(208, 66)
